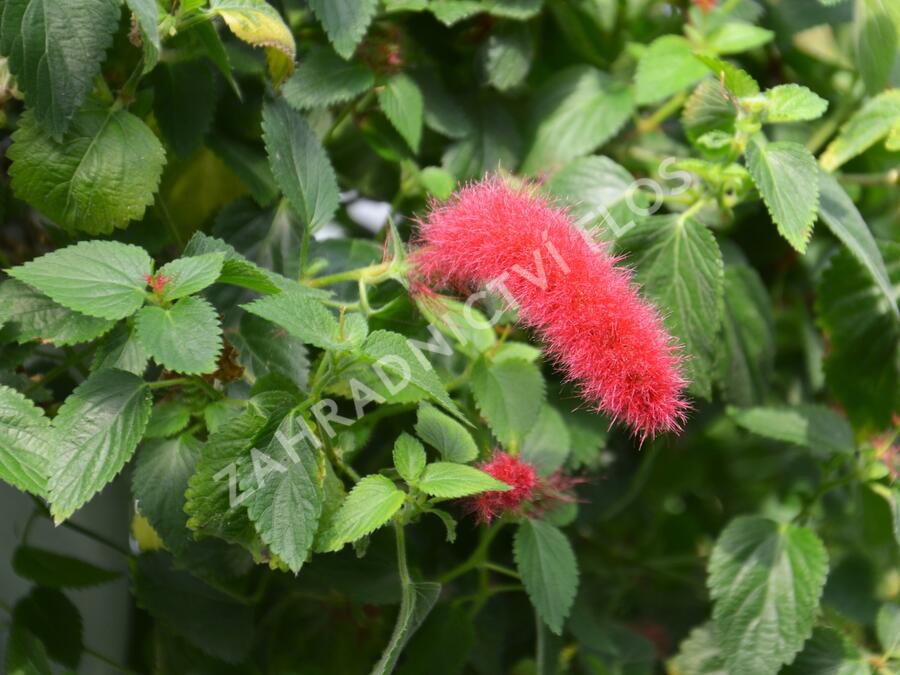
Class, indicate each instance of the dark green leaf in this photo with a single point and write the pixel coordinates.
(52, 570)
(323, 79)
(53, 619)
(509, 395)
(185, 338)
(345, 21)
(446, 434)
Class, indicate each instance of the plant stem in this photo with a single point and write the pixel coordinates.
(372, 274)
(479, 555)
(402, 568)
(174, 382)
(887, 178)
(658, 116)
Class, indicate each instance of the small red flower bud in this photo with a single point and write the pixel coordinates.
(157, 283)
(519, 475)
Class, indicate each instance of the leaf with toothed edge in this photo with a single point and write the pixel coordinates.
(344, 21)
(24, 442)
(184, 338)
(372, 502)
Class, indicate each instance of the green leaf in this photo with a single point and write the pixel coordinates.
(699, 654)
(600, 194)
(829, 652)
(546, 562)
(259, 24)
(390, 355)
(251, 165)
(707, 110)
(548, 443)
(51, 617)
(303, 316)
(24, 443)
(158, 483)
(185, 95)
(267, 348)
(417, 599)
(462, 322)
(680, 267)
(299, 164)
(372, 502)
(121, 349)
(443, 645)
(443, 113)
(25, 654)
(765, 579)
(862, 366)
(185, 338)
(33, 316)
(666, 67)
(189, 275)
(577, 111)
(449, 480)
(55, 48)
(737, 81)
(236, 269)
(887, 626)
(168, 418)
(101, 175)
(345, 21)
(874, 41)
(839, 213)
(204, 616)
(146, 15)
(494, 143)
(509, 395)
(104, 279)
(401, 101)
(446, 434)
(734, 37)
(810, 426)
(788, 180)
(52, 570)
(409, 458)
(748, 347)
(437, 182)
(323, 79)
(793, 103)
(95, 433)
(506, 56)
(871, 123)
(285, 496)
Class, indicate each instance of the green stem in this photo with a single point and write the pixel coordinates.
(402, 569)
(692, 210)
(174, 382)
(500, 569)
(657, 117)
(372, 274)
(887, 178)
(346, 112)
(479, 555)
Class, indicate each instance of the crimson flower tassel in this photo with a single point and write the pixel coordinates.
(587, 310)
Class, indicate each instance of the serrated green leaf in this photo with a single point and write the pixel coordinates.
(33, 316)
(793, 103)
(734, 37)
(446, 434)
(839, 213)
(259, 24)
(401, 101)
(100, 176)
(665, 68)
(94, 434)
(323, 79)
(50, 616)
(205, 616)
(443, 113)
(600, 194)
(765, 579)
(146, 15)
(345, 21)
(829, 652)
(184, 338)
(236, 269)
(506, 56)
(24, 443)
(509, 395)
(680, 267)
(494, 143)
(104, 279)
(299, 164)
(53, 570)
(461, 322)
(737, 81)
(372, 502)
(748, 348)
(546, 562)
(699, 654)
(250, 164)
(449, 480)
(576, 112)
(874, 42)
(871, 123)
(707, 110)
(285, 496)
(547, 445)
(121, 349)
(55, 48)
(167, 419)
(303, 316)
(788, 180)
(409, 458)
(267, 348)
(189, 275)
(185, 95)
(811, 426)
(158, 483)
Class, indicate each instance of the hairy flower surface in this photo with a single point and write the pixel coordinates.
(594, 324)
(521, 476)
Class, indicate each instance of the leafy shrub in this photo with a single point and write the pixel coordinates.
(355, 442)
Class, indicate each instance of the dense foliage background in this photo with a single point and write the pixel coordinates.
(196, 253)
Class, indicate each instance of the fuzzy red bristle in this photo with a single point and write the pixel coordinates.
(520, 476)
(594, 324)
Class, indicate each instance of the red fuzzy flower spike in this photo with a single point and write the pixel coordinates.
(594, 324)
(521, 476)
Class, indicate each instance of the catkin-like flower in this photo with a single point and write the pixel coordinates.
(520, 476)
(586, 309)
